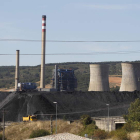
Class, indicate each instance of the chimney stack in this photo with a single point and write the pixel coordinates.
(17, 70)
(42, 78)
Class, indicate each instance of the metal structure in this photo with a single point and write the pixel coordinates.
(17, 70)
(64, 79)
(99, 77)
(56, 78)
(42, 78)
(130, 77)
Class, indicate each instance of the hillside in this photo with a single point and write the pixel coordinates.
(32, 73)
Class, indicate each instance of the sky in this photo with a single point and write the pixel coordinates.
(73, 20)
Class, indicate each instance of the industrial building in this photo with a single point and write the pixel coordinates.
(64, 79)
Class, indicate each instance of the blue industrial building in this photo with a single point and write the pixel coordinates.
(65, 79)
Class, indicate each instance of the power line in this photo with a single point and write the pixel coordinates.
(93, 53)
(93, 110)
(71, 41)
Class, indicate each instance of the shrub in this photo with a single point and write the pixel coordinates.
(100, 134)
(121, 134)
(64, 117)
(133, 112)
(39, 133)
(111, 134)
(129, 127)
(86, 119)
(1, 137)
(89, 129)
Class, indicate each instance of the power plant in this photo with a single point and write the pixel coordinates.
(130, 77)
(30, 100)
(64, 79)
(99, 77)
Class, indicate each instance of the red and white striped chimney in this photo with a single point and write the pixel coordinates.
(42, 78)
(43, 23)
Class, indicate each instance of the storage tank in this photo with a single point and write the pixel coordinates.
(99, 77)
(130, 77)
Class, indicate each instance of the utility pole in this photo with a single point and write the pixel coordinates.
(3, 138)
(51, 124)
(108, 116)
(56, 117)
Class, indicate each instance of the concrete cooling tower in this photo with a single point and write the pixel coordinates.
(130, 77)
(99, 77)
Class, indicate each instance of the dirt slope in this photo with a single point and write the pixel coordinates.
(115, 80)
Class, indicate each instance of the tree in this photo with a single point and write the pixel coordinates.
(86, 119)
(133, 112)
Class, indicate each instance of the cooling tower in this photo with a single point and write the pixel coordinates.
(99, 77)
(130, 77)
(17, 70)
(42, 78)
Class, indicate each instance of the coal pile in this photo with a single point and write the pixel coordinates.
(70, 105)
(3, 95)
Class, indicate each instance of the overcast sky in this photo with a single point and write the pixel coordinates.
(84, 20)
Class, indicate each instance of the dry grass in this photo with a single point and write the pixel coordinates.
(132, 136)
(21, 131)
(135, 136)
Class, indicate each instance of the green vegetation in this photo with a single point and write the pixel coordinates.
(132, 122)
(86, 120)
(1, 137)
(133, 112)
(133, 117)
(32, 73)
(115, 89)
(132, 125)
(89, 126)
(89, 130)
(100, 134)
(121, 134)
(39, 133)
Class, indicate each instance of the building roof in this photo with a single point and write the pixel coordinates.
(61, 136)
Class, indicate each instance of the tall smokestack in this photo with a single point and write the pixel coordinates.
(130, 77)
(17, 70)
(42, 78)
(99, 77)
